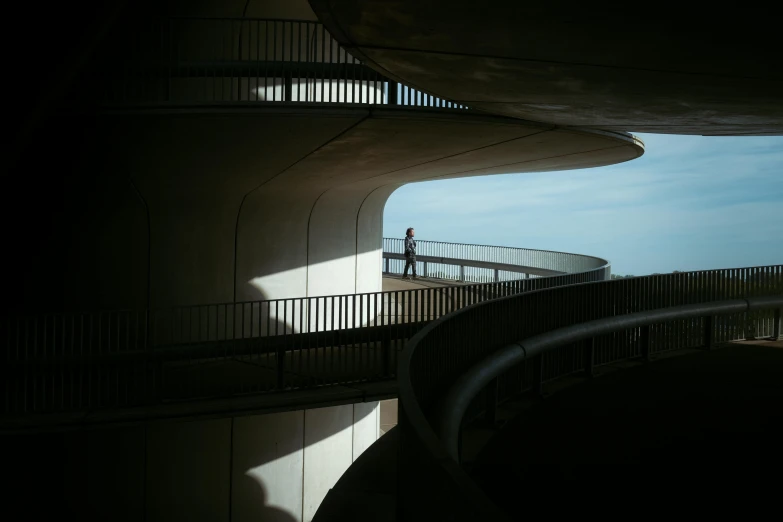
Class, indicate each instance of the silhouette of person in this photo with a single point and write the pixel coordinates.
(410, 253)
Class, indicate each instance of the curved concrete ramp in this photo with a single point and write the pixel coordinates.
(210, 205)
(620, 66)
(679, 430)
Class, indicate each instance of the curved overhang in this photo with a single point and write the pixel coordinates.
(379, 146)
(584, 65)
(151, 199)
(221, 183)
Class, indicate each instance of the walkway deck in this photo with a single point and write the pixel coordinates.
(396, 283)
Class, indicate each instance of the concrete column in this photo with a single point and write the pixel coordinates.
(175, 211)
(188, 471)
(310, 243)
(198, 176)
(260, 467)
(268, 465)
(369, 237)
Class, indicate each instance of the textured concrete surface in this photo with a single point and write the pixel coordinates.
(388, 415)
(621, 66)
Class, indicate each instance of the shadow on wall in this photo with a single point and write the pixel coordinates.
(225, 321)
(259, 509)
(274, 467)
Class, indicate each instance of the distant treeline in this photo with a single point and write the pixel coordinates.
(618, 276)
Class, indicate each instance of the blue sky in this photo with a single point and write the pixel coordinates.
(690, 203)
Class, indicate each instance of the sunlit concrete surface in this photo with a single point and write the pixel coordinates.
(622, 66)
(388, 415)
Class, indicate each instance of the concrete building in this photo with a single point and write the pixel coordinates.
(669, 69)
(215, 156)
(193, 188)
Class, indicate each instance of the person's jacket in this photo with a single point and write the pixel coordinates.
(410, 246)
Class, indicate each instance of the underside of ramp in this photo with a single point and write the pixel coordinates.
(617, 66)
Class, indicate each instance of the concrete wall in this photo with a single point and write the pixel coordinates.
(194, 174)
(275, 467)
(275, 201)
(106, 258)
(197, 204)
(369, 239)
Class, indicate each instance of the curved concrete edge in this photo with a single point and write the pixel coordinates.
(599, 261)
(479, 264)
(447, 419)
(367, 491)
(347, 109)
(521, 65)
(269, 202)
(432, 452)
(473, 503)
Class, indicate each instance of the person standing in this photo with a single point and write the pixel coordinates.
(410, 253)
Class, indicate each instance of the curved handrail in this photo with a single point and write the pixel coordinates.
(435, 358)
(546, 262)
(448, 417)
(490, 265)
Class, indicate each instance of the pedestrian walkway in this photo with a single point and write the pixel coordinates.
(393, 283)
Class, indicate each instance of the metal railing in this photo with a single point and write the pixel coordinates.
(209, 60)
(68, 362)
(449, 415)
(485, 263)
(431, 483)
